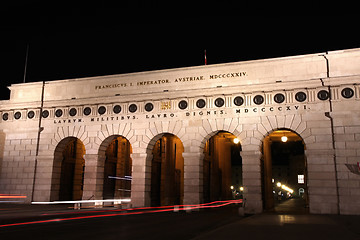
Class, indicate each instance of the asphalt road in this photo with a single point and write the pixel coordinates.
(165, 225)
(215, 222)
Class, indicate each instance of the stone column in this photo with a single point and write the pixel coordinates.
(141, 180)
(93, 177)
(193, 183)
(252, 180)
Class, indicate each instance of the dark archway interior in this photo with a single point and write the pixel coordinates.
(284, 171)
(222, 168)
(117, 169)
(167, 171)
(72, 171)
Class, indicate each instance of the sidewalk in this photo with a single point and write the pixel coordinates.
(293, 205)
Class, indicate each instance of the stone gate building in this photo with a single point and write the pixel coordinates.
(156, 136)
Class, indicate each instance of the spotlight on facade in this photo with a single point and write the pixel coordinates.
(236, 140)
(284, 139)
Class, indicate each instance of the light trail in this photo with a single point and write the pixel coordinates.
(179, 207)
(128, 178)
(133, 211)
(11, 196)
(84, 201)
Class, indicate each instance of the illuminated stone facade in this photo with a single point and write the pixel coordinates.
(316, 96)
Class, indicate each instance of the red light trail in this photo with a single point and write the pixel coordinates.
(11, 196)
(133, 211)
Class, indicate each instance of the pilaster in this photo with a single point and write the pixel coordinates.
(252, 180)
(141, 180)
(193, 182)
(321, 182)
(43, 178)
(93, 177)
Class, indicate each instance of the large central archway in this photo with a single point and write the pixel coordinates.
(167, 171)
(284, 172)
(222, 168)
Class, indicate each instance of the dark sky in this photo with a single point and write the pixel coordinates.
(76, 42)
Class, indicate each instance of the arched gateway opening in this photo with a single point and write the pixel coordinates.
(167, 171)
(222, 168)
(117, 169)
(284, 172)
(68, 170)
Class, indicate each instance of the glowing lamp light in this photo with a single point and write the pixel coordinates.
(236, 140)
(241, 189)
(232, 187)
(284, 139)
(286, 188)
(278, 184)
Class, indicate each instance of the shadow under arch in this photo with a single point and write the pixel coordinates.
(284, 170)
(68, 170)
(222, 167)
(115, 167)
(236, 133)
(164, 155)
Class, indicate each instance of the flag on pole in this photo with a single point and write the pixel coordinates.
(205, 58)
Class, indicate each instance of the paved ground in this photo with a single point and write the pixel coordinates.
(163, 225)
(292, 227)
(217, 223)
(293, 205)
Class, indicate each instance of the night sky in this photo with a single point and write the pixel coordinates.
(74, 42)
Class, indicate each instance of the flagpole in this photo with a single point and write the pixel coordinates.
(205, 57)
(26, 59)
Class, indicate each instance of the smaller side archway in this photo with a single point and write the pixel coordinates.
(284, 170)
(68, 170)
